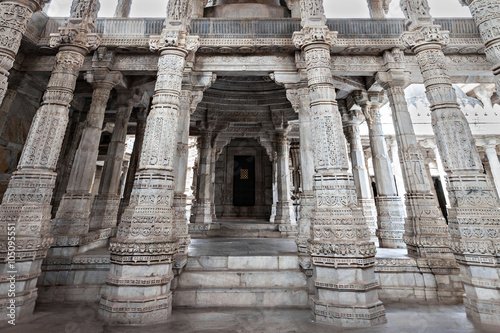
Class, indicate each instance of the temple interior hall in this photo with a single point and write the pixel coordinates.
(250, 166)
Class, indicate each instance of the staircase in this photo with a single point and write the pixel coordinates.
(273, 280)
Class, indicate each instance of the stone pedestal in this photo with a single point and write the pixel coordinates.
(340, 247)
(474, 214)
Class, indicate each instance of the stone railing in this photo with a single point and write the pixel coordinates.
(264, 28)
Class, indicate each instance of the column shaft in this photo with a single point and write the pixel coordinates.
(340, 246)
(283, 180)
(106, 204)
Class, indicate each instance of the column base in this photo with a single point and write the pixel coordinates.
(283, 215)
(391, 222)
(484, 313)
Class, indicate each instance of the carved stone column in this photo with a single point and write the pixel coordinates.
(14, 18)
(351, 121)
(105, 207)
(390, 216)
(26, 204)
(283, 179)
(143, 251)
(474, 216)
(341, 251)
(134, 158)
(72, 218)
(202, 208)
(123, 8)
(426, 234)
(486, 13)
(301, 103)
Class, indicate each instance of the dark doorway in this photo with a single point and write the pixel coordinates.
(244, 180)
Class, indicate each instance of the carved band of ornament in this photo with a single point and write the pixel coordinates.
(479, 282)
(342, 262)
(138, 281)
(346, 287)
(141, 259)
(467, 247)
(288, 228)
(327, 233)
(342, 249)
(20, 277)
(24, 245)
(430, 34)
(159, 303)
(332, 314)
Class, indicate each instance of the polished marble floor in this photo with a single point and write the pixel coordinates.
(402, 318)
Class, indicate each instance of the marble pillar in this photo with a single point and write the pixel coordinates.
(351, 120)
(72, 217)
(134, 159)
(474, 215)
(340, 247)
(390, 216)
(26, 208)
(202, 210)
(426, 234)
(283, 215)
(14, 18)
(105, 207)
(142, 254)
(486, 13)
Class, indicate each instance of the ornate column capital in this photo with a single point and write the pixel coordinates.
(76, 32)
(300, 99)
(370, 102)
(395, 74)
(314, 35)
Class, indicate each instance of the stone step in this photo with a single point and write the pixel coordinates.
(243, 262)
(237, 230)
(290, 297)
(242, 279)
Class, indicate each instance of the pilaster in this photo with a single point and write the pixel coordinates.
(474, 216)
(340, 247)
(390, 217)
(26, 205)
